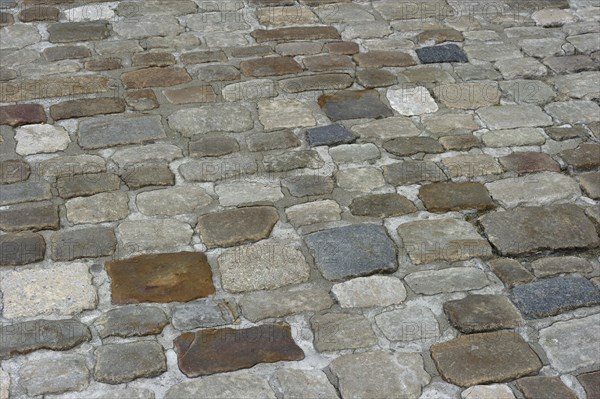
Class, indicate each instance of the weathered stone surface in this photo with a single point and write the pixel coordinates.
(556, 295)
(386, 129)
(281, 16)
(330, 81)
(375, 77)
(527, 68)
(141, 100)
(139, 26)
(219, 169)
(90, 242)
(29, 336)
(36, 139)
(313, 212)
(591, 383)
(308, 185)
(67, 32)
(104, 207)
(351, 153)
(353, 105)
(566, 133)
(173, 201)
(244, 193)
(272, 141)
(209, 351)
(576, 111)
(443, 53)
(412, 101)
(365, 292)
(304, 383)
(249, 90)
(497, 391)
(87, 184)
(283, 114)
(383, 58)
(218, 73)
(571, 345)
(292, 160)
(590, 182)
(147, 174)
(513, 116)
(131, 321)
(514, 137)
(337, 331)
(584, 157)
(259, 305)
(212, 118)
(55, 375)
(22, 114)
(30, 217)
(38, 292)
(86, 107)
(21, 248)
(479, 313)
(485, 358)
(524, 91)
(406, 146)
(472, 165)
(529, 162)
(146, 153)
(155, 77)
(109, 131)
(510, 272)
(382, 205)
(446, 280)
(544, 388)
(170, 277)
(411, 172)
(237, 226)
(202, 313)
(352, 251)
(556, 227)
(118, 363)
(554, 265)
(444, 197)
(213, 146)
(570, 64)
(270, 66)
(410, 323)
(374, 375)
(60, 53)
(329, 135)
(157, 59)
(470, 95)
(137, 235)
(18, 36)
(201, 57)
(296, 33)
(223, 386)
(4, 384)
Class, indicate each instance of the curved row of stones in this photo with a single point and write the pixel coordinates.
(299, 199)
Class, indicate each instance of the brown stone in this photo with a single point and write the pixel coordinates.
(545, 388)
(22, 114)
(87, 107)
(252, 51)
(66, 53)
(479, 313)
(485, 358)
(153, 59)
(103, 64)
(201, 57)
(296, 33)
(237, 226)
(584, 157)
(39, 13)
(348, 48)
(440, 35)
(271, 66)
(6, 19)
(29, 217)
(21, 248)
(590, 182)
(375, 77)
(189, 95)
(460, 143)
(529, 162)
(78, 31)
(141, 100)
(25, 90)
(155, 77)
(171, 277)
(13, 171)
(330, 81)
(406, 146)
(445, 197)
(211, 351)
(591, 384)
(383, 58)
(87, 184)
(321, 63)
(7, 74)
(510, 272)
(213, 146)
(147, 174)
(382, 205)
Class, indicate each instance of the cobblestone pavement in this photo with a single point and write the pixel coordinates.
(299, 199)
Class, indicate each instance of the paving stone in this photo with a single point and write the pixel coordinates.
(24, 191)
(386, 129)
(28, 336)
(223, 386)
(446, 280)
(272, 141)
(155, 77)
(337, 331)
(460, 142)
(468, 95)
(528, 91)
(497, 391)
(87, 107)
(566, 133)
(510, 272)
(352, 251)
(556, 227)
(360, 179)
(470, 72)
(146, 153)
(6, 19)
(202, 313)
(514, 137)
(374, 375)
(554, 296)
(574, 111)
(219, 169)
(91, 242)
(440, 35)
(30, 216)
(571, 345)
(544, 388)
(218, 73)
(382, 205)
(570, 64)
(443, 53)
(421, 10)
(412, 101)
(243, 193)
(36, 139)
(292, 160)
(87, 184)
(59, 53)
(140, 27)
(313, 212)
(410, 323)
(406, 146)
(295, 33)
(141, 100)
(237, 226)
(526, 68)
(270, 266)
(67, 32)
(411, 172)
(119, 363)
(259, 305)
(426, 74)
(304, 383)
(327, 81)
(513, 116)
(131, 321)
(329, 135)
(270, 66)
(485, 357)
(160, 278)
(40, 292)
(365, 292)
(479, 313)
(154, 59)
(136, 235)
(444, 197)
(107, 131)
(472, 165)
(375, 77)
(384, 58)
(590, 182)
(18, 36)
(173, 201)
(542, 47)
(328, 62)
(552, 266)
(579, 85)
(351, 153)
(39, 13)
(342, 47)
(591, 383)
(212, 118)
(208, 351)
(492, 52)
(213, 146)
(251, 51)
(21, 249)
(353, 105)
(155, 7)
(147, 174)
(584, 43)
(299, 48)
(282, 114)
(103, 207)
(308, 185)
(54, 375)
(450, 123)
(529, 162)
(584, 157)
(22, 114)
(250, 90)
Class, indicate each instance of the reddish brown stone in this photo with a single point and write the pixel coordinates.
(348, 48)
(13, 171)
(171, 277)
(222, 350)
(39, 13)
(320, 63)
(529, 162)
(87, 107)
(155, 77)
(382, 58)
(201, 57)
(296, 33)
(271, 66)
(584, 157)
(188, 95)
(153, 59)
(545, 388)
(22, 114)
(445, 197)
(141, 100)
(103, 64)
(591, 384)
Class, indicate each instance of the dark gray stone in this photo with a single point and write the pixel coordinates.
(382, 205)
(28, 336)
(411, 172)
(565, 133)
(201, 314)
(21, 248)
(131, 321)
(308, 185)
(108, 131)
(351, 251)
(24, 192)
(354, 104)
(443, 53)
(87, 184)
(85, 243)
(272, 141)
(406, 146)
(119, 363)
(147, 174)
(54, 375)
(479, 313)
(329, 135)
(78, 31)
(30, 217)
(293, 160)
(552, 296)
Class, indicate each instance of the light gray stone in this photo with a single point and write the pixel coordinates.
(337, 331)
(211, 118)
(411, 101)
(55, 375)
(37, 139)
(365, 292)
(583, 85)
(118, 363)
(362, 180)
(513, 116)
(523, 91)
(550, 18)
(386, 129)
(223, 386)
(226, 20)
(492, 52)
(524, 67)
(472, 165)
(446, 280)
(173, 201)
(146, 153)
(4, 384)
(202, 313)
(514, 137)
(492, 391)
(554, 265)
(131, 321)
(137, 235)
(351, 153)
(313, 212)
(245, 192)
(18, 36)
(145, 26)
(411, 323)
(282, 114)
(250, 90)
(300, 384)
(585, 43)
(219, 169)
(574, 112)
(103, 207)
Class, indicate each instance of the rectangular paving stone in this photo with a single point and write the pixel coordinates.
(59, 53)
(354, 104)
(107, 131)
(211, 118)
(78, 31)
(153, 234)
(445, 197)
(524, 230)
(202, 313)
(333, 81)
(147, 174)
(30, 216)
(31, 89)
(510, 272)
(544, 388)
(584, 157)
(24, 192)
(270, 66)
(131, 321)
(39, 13)
(384, 58)
(87, 184)
(54, 375)
(119, 363)
(514, 116)
(91, 242)
(479, 313)
(443, 53)
(591, 384)
(168, 277)
(22, 114)
(453, 279)
(87, 107)
(411, 172)
(21, 248)
(338, 331)
(211, 351)
(155, 77)
(529, 162)
(553, 296)
(296, 33)
(223, 386)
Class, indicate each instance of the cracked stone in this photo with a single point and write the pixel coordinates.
(479, 313)
(444, 197)
(337, 331)
(237, 226)
(201, 314)
(119, 363)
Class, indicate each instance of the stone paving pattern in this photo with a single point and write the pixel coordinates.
(299, 199)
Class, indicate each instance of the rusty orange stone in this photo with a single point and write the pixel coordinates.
(220, 350)
(170, 277)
